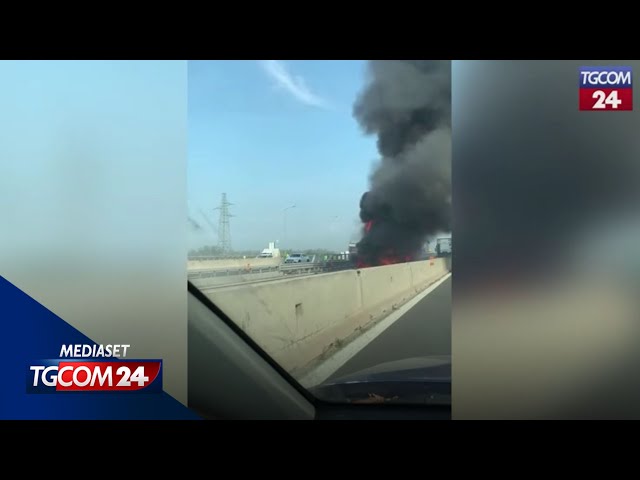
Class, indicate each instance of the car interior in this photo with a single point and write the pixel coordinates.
(232, 378)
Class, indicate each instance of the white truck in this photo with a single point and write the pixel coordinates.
(271, 252)
(443, 247)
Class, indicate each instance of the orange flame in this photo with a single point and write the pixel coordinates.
(368, 225)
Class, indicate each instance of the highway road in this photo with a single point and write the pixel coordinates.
(423, 330)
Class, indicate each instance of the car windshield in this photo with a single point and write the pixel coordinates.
(342, 274)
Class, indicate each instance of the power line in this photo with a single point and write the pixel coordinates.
(194, 224)
(209, 222)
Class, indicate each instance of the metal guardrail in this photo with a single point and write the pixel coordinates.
(301, 267)
(316, 267)
(284, 268)
(230, 272)
(218, 257)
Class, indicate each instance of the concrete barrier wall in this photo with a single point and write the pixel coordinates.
(386, 288)
(382, 283)
(232, 263)
(297, 320)
(422, 272)
(291, 318)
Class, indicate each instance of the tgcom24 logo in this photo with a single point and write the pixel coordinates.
(605, 88)
(94, 368)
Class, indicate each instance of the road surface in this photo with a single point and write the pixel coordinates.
(423, 330)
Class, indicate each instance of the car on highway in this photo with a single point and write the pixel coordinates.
(297, 258)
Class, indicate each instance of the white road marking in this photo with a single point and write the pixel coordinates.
(338, 359)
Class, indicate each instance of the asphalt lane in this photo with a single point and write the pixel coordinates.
(423, 330)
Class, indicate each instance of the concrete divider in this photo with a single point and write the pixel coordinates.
(425, 272)
(382, 286)
(232, 263)
(290, 318)
(299, 320)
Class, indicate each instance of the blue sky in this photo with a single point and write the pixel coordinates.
(275, 133)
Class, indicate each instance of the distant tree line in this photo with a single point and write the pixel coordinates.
(215, 251)
(319, 251)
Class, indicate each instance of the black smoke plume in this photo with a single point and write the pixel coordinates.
(407, 104)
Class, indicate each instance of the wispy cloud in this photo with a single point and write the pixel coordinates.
(295, 85)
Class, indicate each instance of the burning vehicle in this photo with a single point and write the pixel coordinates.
(407, 104)
(384, 242)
